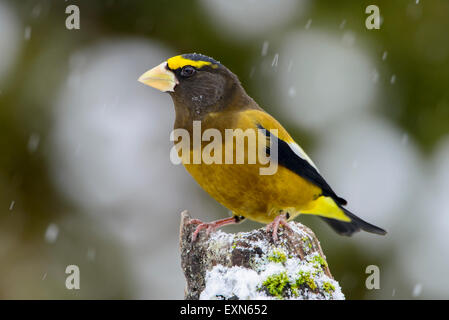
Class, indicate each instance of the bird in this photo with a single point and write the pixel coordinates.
(205, 92)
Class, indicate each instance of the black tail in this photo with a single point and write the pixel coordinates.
(356, 224)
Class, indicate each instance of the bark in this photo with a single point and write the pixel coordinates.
(250, 265)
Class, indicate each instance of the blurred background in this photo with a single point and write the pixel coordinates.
(85, 173)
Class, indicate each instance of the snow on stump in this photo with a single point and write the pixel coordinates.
(249, 265)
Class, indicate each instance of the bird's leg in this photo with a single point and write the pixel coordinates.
(212, 226)
(280, 219)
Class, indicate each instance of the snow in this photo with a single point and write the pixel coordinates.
(290, 66)
(417, 289)
(52, 232)
(375, 76)
(252, 71)
(33, 142)
(227, 282)
(222, 282)
(308, 24)
(393, 79)
(221, 237)
(265, 48)
(27, 33)
(292, 91)
(275, 60)
(244, 284)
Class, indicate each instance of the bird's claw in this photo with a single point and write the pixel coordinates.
(280, 220)
(210, 226)
(203, 225)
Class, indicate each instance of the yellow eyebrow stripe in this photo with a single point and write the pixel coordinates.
(179, 62)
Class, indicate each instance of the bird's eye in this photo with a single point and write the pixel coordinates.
(188, 71)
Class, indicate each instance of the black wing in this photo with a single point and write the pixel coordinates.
(289, 159)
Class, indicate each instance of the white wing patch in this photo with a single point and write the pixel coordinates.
(300, 153)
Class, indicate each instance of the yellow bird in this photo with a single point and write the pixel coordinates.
(209, 98)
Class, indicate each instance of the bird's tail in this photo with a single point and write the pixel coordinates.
(356, 224)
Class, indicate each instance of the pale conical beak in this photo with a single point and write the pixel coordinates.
(160, 78)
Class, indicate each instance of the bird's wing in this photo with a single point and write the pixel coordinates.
(290, 154)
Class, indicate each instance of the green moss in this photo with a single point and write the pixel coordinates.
(307, 244)
(277, 256)
(294, 289)
(305, 278)
(328, 287)
(275, 284)
(319, 260)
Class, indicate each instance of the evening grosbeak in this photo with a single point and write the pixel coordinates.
(206, 92)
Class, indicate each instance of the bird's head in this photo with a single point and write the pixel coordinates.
(196, 82)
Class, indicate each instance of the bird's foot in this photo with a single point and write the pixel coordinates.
(280, 220)
(211, 226)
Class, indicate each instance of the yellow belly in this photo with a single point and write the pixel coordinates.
(242, 189)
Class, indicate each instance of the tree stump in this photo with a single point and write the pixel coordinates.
(249, 265)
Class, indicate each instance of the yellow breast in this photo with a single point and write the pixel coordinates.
(241, 188)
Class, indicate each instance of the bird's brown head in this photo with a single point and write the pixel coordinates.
(198, 84)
